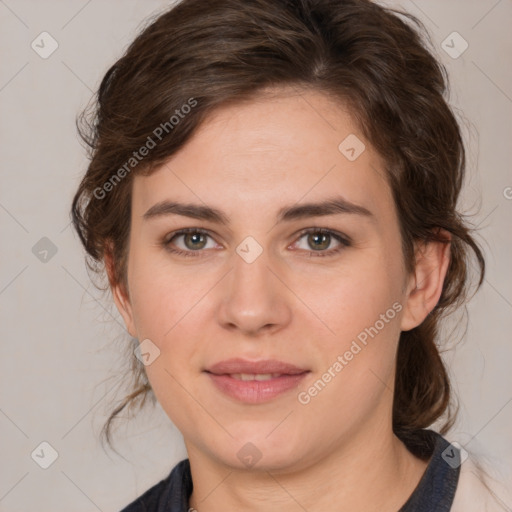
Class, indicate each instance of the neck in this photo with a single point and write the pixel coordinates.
(372, 471)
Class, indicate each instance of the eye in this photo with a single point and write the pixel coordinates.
(196, 239)
(320, 239)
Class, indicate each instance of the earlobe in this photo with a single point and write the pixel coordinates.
(120, 295)
(426, 283)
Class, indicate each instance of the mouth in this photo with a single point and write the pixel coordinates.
(254, 376)
(255, 382)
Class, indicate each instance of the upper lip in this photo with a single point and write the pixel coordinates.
(238, 365)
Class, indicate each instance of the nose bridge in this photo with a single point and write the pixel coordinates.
(253, 297)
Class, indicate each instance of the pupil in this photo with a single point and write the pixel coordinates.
(196, 237)
(323, 236)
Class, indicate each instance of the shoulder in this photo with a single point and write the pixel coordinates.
(455, 480)
(169, 495)
(148, 501)
(482, 488)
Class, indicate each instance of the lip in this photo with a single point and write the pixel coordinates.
(255, 391)
(239, 365)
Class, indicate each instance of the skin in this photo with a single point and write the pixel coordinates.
(250, 160)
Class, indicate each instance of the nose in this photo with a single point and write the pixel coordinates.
(255, 298)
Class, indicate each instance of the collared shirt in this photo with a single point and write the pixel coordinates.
(434, 493)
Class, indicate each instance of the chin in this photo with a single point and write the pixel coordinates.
(256, 450)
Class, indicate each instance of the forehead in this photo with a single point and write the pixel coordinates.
(276, 149)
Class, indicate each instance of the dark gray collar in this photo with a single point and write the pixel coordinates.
(436, 489)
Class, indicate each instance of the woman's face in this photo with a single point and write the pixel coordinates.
(252, 286)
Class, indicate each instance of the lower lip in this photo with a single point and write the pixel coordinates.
(256, 391)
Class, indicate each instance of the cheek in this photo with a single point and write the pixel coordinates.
(163, 296)
(170, 309)
(361, 309)
(355, 370)
(167, 310)
(351, 299)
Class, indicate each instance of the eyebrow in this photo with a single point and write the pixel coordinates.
(332, 206)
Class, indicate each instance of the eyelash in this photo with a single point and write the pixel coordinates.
(344, 241)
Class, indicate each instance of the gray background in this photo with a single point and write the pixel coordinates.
(61, 341)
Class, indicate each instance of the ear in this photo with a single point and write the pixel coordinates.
(120, 294)
(425, 284)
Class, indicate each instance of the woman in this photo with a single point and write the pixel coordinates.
(273, 189)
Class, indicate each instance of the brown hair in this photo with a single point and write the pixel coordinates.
(209, 54)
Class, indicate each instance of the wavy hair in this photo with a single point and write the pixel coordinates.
(373, 59)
